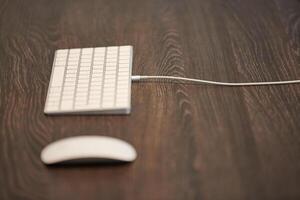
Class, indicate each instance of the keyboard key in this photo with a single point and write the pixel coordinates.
(57, 77)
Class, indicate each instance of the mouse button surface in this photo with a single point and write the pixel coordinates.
(88, 147)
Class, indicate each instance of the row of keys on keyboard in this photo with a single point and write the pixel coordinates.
(96, 80)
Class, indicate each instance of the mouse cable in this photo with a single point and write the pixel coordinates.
(139, 77)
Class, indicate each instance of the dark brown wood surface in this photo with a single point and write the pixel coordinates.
(193, 141)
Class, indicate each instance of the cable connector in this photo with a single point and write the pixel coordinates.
(136, 78)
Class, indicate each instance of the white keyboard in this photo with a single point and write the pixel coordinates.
(90, 81)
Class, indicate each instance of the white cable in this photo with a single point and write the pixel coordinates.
(138, 78)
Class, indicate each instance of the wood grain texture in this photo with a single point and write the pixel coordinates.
(193, 141)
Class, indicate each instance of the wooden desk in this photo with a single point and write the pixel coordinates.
(193, 141)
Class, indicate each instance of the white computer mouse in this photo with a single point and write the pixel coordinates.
(88, 149)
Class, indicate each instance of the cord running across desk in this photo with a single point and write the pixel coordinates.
(138, 78)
